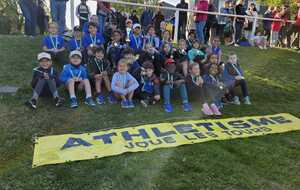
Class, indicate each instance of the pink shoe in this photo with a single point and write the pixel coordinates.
(215, 110)
(206, 110)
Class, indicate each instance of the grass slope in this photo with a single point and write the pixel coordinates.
(269, 162)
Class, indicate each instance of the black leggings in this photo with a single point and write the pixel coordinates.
(242, 83)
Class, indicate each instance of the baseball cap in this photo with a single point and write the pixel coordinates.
(136, 26)
(169, 61)
(43, 55)
(75, 52)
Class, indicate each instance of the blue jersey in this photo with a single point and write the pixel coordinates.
(89, 40)
(75, 44)
(136, 42)
(54, 42)
(85, 28)
(70, 71)
(154, 40)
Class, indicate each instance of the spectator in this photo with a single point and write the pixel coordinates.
(201, 5)
(42, 18)
(284, 37)
(157, 19)
(267, 23)
(239, 22)
(83, 13)
(182, 19)
(211, 23)
(250, 21)
(275, 28)
(134, 17)
(103, 9)
(29, 11)
(224, 22)
(59, 11)
(146, 18)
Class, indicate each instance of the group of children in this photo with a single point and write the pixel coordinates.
(136, 65)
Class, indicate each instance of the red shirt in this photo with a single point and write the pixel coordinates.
(298, 18)
(276, 25)
(202, 5)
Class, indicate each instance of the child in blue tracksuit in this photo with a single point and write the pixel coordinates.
(115, 48)
(74, 74)
(233, 77)
(134, 66)
(54, 44)
(124, 84)
(93, 19)
(152, 38)
(170, 80)
(149, 90)
(76, 42)
(136, 38)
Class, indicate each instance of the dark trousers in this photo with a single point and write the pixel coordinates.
(147, 97)
(238, 27)
(220, 31)
(182, 30)
(45, 87)
(244, 88)
(60, 57)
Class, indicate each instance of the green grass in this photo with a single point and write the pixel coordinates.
(268, 162)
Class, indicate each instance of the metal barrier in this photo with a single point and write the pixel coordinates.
(177, 10)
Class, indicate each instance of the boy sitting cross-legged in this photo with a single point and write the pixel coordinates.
(100, 68)
(124, 84)
(44, 79)
(74, 74)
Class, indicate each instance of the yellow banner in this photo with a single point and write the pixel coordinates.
(72, 147)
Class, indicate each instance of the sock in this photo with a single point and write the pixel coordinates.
(72, 96)
(55, 94)
(35, 95)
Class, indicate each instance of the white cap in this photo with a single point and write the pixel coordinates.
(43, 55)
(136, 25)
(75, 52)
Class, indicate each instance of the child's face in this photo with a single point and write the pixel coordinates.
(75, 60)
(122, 68)
(149, 72)
(232, 59)
(151, 31)
(129, 56)
(195, 70)
(117, 37)
(166, 36)
(192, 36)
(163, 25)
(182, 45)
(171, 68)
(99, 55)
(213, 59)
(77, 34)
(216, 42)
(129, 24)
(53, 29)
(196, 45)
(92, 30)
(213, 70)
(137, 30)
(167, 48)
(94, 19)
(45, 63)
(113, 26)
(149, 48)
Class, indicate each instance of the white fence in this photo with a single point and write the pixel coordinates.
(176, 14)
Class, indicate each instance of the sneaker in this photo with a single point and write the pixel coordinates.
(89, 101)
(236, 45)
(100, 100)
(215, 110)
(144, 103)
(74, 103)
(31, 103)
(206, 110)
(59, 101)
(124, 104)
(168, 108)
(247, 100)
(187, 107)
(130, 104)
(236, 100)
(112, 99)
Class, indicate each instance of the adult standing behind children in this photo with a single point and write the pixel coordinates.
(58, 11)
(29, 12)
(103, 9)
(239, 22)
(201, 5)
(182, 19)
(83, 13)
